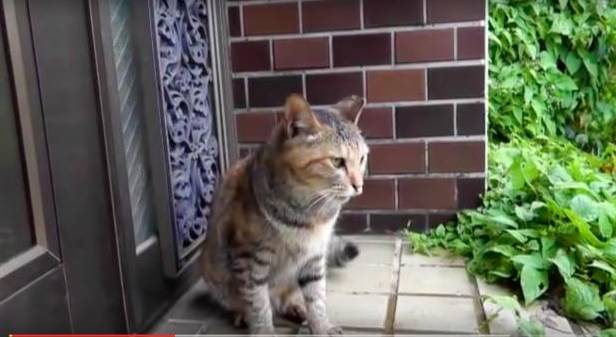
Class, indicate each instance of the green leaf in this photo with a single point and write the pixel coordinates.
(506, 302)
(582, 300)
(532, 260)
(534, 283)
(563, 3)
(547, 60)
(548, 247)
(505, 250)
(562, 25)
(609, 302)
(607, 333)
(573, 63)
(502, 219)
(565, 264)
(530, 328)
(590, 62)
(603, 266)
(605, 226)
(565, 83)
(517, 235)
(524, 213)
(584, 206)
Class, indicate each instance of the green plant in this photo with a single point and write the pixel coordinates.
(547, 224)
(526, 326)
(550, 69)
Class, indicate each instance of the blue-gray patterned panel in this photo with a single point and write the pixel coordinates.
(133, 121)
(186, 84)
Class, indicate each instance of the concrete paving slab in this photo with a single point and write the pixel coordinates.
(425, 314)
(375, 253)
(360, 279)
(357, 311)
(435, 280)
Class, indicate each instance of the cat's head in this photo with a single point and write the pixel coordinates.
(322, 150)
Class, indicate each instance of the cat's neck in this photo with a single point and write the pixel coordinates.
(280, 204)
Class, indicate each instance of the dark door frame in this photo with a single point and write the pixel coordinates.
(153, 278)
(75, 262)
(45, 254)
(86, 257)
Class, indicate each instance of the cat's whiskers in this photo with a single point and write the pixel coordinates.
(321, 196)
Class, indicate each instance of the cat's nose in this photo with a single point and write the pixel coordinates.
(358, 187)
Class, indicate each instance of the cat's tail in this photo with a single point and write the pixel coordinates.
(341, 251)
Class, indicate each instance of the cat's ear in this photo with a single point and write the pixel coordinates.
(299, 117)
(350, 107)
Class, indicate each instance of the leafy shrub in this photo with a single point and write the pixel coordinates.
(549, 69)
(547, 222)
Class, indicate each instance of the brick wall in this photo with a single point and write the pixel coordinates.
(420, 65)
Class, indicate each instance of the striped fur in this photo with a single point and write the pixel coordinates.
(270, 237)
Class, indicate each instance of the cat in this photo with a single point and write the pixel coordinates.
(271, 231)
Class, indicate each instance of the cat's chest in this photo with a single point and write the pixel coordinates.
(305, 245)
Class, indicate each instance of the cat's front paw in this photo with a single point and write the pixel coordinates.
(328, 330)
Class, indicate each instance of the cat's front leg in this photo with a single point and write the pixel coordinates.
(252, 271)
(258, 311)
(312, 282)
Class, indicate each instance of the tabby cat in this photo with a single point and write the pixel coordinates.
(270, 236)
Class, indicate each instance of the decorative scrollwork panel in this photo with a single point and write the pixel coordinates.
(186, 87)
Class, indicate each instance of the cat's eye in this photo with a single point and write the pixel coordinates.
(338, 162)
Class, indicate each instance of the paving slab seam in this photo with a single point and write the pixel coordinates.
(482, 320)
(360, 293)
(436, 295)
(434, 265)
(388, 324)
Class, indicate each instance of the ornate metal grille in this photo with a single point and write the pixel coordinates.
(186, 87)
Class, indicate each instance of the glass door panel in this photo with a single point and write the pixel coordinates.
(15, 222)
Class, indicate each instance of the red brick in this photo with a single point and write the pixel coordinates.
(396, 85)
(378, 194)
(455, 10)
(272, 91)
(239, 93)
(397, 158)
(235, 28)
(330, 88)
(469, 192)
(250, 56)
(471, 119)
(456, 156)
(330, 15)
(424, 121)
(274, 18)
(387, 223)
(352, 223)
(456, 82)
(379, 13)
(361, 50)
(427, 193)
(424, 46)
(376, 123)
(254, 127)
(471, 43)
(301, 53)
